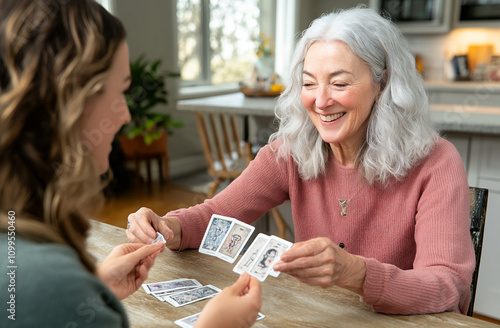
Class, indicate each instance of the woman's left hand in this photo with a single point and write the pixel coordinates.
(320, 262)
(127, 266)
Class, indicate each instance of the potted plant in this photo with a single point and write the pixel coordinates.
(148, 129)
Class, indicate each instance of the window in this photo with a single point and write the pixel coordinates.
(217, 39)
(106, 4)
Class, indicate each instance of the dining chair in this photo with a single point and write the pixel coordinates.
(227, 155)
(478, 204)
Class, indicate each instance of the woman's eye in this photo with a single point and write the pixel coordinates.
(340, 85)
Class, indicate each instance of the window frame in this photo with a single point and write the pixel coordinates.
(204, 84)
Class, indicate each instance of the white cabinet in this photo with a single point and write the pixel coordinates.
(484, 172)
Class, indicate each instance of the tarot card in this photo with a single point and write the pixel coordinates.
(159, 236)
(187, 322)
(247, 260)
(217, 229)
(161, 295)
(238, 235)
(192, 295)
(170, 285)
(270, 254)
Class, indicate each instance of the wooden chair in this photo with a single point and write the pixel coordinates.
(227, 155)
(478, 203)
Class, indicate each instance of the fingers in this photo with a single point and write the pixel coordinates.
(254, 287)
(305, 249)
(143, 251)
(241, 284)
(140, 226)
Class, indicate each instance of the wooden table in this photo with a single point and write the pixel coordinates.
(286, 301)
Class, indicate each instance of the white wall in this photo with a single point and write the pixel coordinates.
(152, 30)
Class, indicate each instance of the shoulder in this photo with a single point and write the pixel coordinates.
(444, 153)
(442, 166)
(52, 287)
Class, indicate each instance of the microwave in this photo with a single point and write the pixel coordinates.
(417, 16)
(470, 11)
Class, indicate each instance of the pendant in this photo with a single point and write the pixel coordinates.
(343, 206)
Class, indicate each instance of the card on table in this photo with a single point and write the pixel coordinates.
(192, 295)
(161, 295)
(188, 322)
(170, 285)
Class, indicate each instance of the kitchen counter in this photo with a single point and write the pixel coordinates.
(466, 117)
(463, 86)
(459, 118)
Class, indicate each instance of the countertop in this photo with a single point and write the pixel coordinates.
(462, 86)
(446, 117)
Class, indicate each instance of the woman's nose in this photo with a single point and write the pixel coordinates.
(324, 98)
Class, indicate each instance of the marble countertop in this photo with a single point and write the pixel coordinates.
(462, 86)
(478, 120)
(446, 117)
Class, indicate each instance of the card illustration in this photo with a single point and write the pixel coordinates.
(251, 254)
(170, 285)
(188, 322)
(215, 233)
(271, 253)
(233, 244)
(191, 296)
(161, 295)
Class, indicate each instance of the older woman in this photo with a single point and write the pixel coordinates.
(64, 68)
(379, 201)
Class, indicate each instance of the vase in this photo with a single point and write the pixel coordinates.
(265, 67)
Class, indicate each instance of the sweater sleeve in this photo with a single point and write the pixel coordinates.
(262, 186)
(442, 270)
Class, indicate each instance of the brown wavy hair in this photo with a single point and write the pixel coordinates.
(54, 56)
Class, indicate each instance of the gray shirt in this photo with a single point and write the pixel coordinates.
(45, 285)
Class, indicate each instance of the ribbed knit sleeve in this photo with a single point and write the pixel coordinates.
(444, 260)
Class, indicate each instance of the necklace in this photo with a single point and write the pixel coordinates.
(343, 202)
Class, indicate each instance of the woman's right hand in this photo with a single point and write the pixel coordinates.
(236, 306)
(143, 225)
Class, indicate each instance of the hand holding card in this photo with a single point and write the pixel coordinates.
(225, 238)
(261, 256)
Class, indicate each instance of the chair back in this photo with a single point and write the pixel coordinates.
(227, 156)
(478, 204)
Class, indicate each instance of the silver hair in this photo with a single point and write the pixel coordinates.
(400, 132)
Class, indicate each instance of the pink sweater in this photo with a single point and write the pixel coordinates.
(413, 235)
